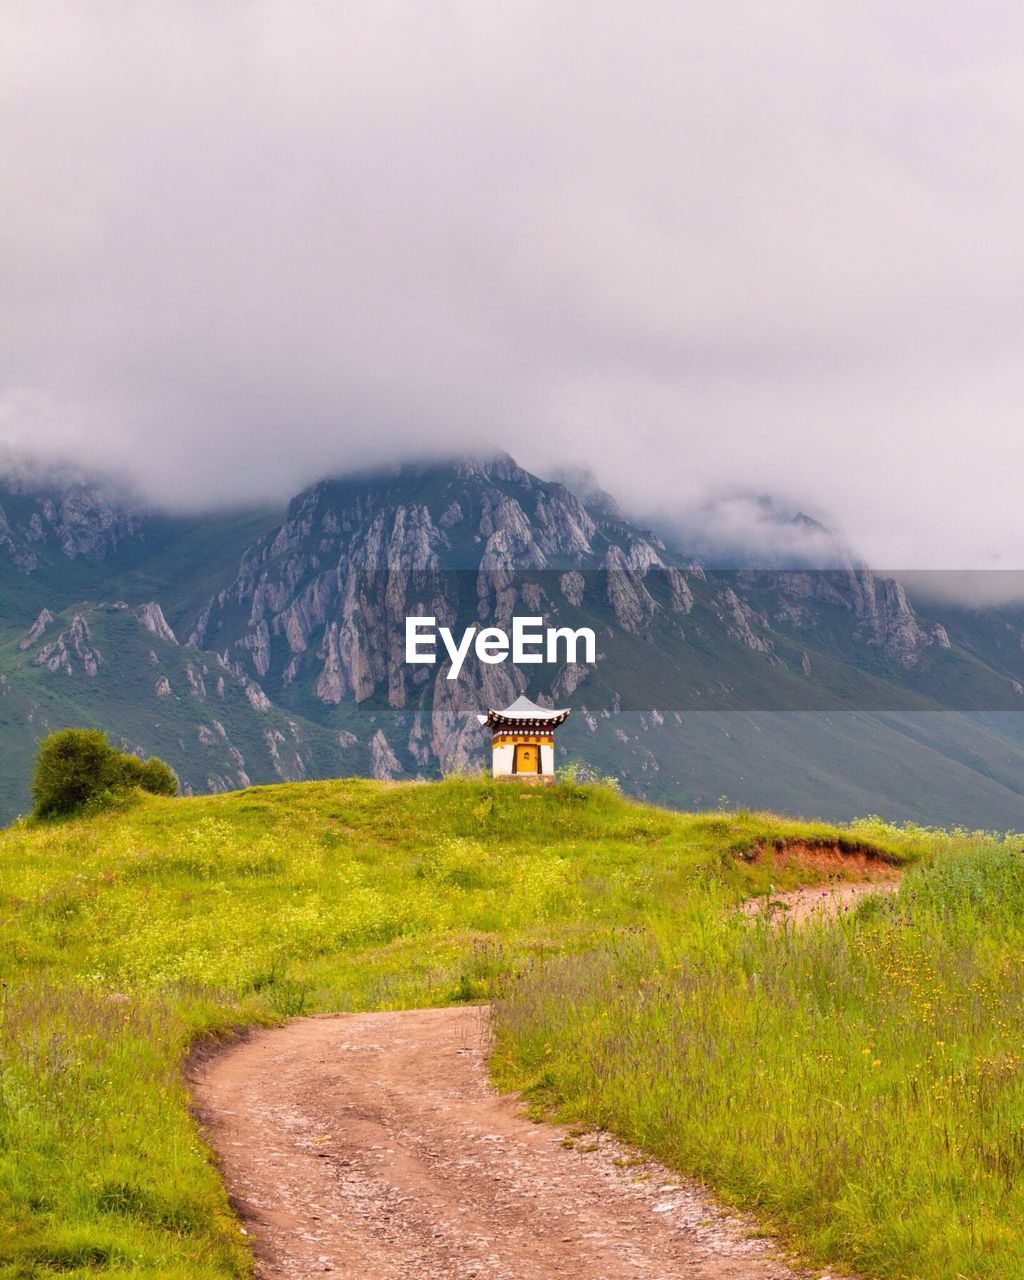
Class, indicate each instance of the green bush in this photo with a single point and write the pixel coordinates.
(79, 767)
(157, 777)
(152, 775)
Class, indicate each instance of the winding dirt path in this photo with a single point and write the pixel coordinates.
(373, 1146)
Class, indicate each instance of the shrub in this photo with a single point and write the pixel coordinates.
(157, 777)
(152, 775)
(78, 767)
(73, 766)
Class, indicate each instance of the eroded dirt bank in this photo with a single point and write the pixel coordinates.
(854, 872)
(373, 1146)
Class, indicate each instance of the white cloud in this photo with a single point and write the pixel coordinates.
(762, 248)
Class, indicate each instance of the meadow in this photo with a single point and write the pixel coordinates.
(628, 993)
(859, 1084)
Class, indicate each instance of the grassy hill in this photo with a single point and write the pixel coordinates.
(860, 1085)
(128, 936)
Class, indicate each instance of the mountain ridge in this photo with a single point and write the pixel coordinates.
(265, 645)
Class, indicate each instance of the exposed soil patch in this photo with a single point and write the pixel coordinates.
(854, 871)
(373, 1146)
(856, 860)
(820, 901)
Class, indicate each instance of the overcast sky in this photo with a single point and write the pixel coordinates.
(699, 248)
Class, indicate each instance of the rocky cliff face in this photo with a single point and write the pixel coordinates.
(294, 667)
(881, 615)
(70, 516)
(317, 609)
(326, 596)
(320, 604)
(73, 647)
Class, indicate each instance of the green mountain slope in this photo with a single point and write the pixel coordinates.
(101, 664)
(824, 693)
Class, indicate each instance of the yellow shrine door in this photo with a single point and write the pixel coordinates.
(527, 758)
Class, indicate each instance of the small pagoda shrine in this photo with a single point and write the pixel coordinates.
(523, 739)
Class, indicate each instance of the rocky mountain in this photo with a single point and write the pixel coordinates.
(261, 645)
(62, 517)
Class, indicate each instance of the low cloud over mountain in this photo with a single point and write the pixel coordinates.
(766, 249)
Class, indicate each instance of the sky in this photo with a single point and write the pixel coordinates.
(712, 252)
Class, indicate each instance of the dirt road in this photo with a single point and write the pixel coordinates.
(372, 1146)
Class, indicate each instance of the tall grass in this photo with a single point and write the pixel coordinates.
(126, 936)
(858, 1083)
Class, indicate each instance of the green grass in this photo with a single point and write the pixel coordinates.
(859, 1084)
(128, 937)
